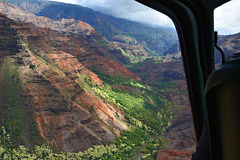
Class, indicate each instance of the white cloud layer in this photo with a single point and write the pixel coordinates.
(226, 20)
(67, 1)
(129, 9)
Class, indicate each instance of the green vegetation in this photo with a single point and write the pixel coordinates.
(148, 112)
(44, 59)
(125, 39)
(103, 42)
(163, 83)
(13, 104)
(125, 54)
(126, 147)
(142, 106)
(86, 83)
(17, 117)
(156, 40)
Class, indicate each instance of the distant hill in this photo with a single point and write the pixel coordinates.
(155, 40)
(33, 6)
(83, 78)
(230, 44)
(63, 87)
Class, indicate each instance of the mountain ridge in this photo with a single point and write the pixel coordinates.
(109, 26)
(41, 80)
(76, 89)
(154, 40)
(120, 51)
(60, 62)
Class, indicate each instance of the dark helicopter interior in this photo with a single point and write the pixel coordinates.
(212, 92)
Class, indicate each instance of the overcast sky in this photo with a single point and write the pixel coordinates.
(227, 19)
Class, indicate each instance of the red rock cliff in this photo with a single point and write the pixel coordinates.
(68, 118)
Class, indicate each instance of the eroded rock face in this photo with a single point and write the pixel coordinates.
(8, 41)
(86, 35)
(63, 25)
(59, 112)
(154, 69)
(230, 44)
(180, 136)
(84, 45)
(68, 118)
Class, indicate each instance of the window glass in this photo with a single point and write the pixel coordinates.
(227, 21)
(103, 79)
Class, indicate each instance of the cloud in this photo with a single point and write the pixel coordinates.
(67, 1)
(226, 19)
(151, 17)
(129, 9)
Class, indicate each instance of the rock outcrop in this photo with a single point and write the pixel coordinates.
(230, 44)
(180, 136)
(68, 118)
(155, 69)
(56, 59)
(63, 25)
(83, 41)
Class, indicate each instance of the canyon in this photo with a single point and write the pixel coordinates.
(71, 85)
(54, 92)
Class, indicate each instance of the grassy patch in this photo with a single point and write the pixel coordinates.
(13, 104)
(18, 119)
(141, 105)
